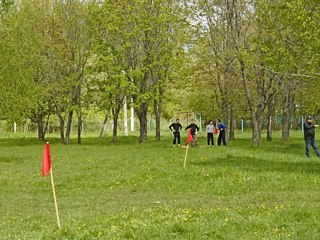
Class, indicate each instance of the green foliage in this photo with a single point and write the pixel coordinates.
(290, 38)
(17, 46)
(172, 55)
(130, 191)
(5, 7)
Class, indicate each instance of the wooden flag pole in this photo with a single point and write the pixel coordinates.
(185, 158)
(216, 139)
(54, 197)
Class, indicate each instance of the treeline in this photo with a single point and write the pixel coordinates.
(235, 59)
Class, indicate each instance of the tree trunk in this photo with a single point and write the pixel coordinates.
(256, 133)
(115, 128)
(269, 128)
(38, 118)
(42, 129)
(225, 112)
(255, 111)
(158, 116)
(286, 126)
(79, 112)
(142, 115)
(41, 135)
(61, 122)
(68, 130)
(115, 115)
(231, 125)
(287, 107)
(157, 111)
(79, 126)
(105, 122)
(271, 111)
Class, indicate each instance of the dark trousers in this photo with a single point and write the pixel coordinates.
(176, 136)
(194, 140)
(312, 143)
(210, 139)
(222, 136)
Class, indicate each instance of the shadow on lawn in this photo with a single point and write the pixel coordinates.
(291, 146)
(20, 141)
(255, 164)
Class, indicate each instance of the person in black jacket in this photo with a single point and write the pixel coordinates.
(175, 128)
(194, 129)
(309, 136)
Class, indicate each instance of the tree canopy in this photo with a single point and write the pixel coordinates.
(234, 59)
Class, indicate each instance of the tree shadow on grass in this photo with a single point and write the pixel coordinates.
(255, 164)
(278, 145)
(19, 141)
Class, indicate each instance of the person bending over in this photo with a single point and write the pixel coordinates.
(194, 129)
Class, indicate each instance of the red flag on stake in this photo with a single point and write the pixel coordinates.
(46, 160)
(189, 138)
(46, 167)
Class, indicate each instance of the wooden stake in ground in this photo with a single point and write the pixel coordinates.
(46, 167)
(55, 199)
(216, 132)
(189, 140)
(185, 158)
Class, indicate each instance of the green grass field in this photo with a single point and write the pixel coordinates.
(132, 191)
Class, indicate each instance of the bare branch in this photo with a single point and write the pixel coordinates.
(290, 74)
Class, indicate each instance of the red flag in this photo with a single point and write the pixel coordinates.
(189, 138)
(46, 160)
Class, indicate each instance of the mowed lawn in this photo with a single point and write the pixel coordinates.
(132, 191)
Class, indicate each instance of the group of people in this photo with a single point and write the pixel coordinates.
(213, 127)
(216, 126)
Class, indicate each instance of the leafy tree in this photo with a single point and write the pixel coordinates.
(216, 37)
(288, 26)
(71, 41)
(109, 68)
(20, 60)
(137, 39)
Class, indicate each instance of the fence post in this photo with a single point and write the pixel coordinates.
(242, 125)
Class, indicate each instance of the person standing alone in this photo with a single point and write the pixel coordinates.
(210, 131)
(175, 128)
(309, 136)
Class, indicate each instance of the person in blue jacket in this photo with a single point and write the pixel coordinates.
(222, 133)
